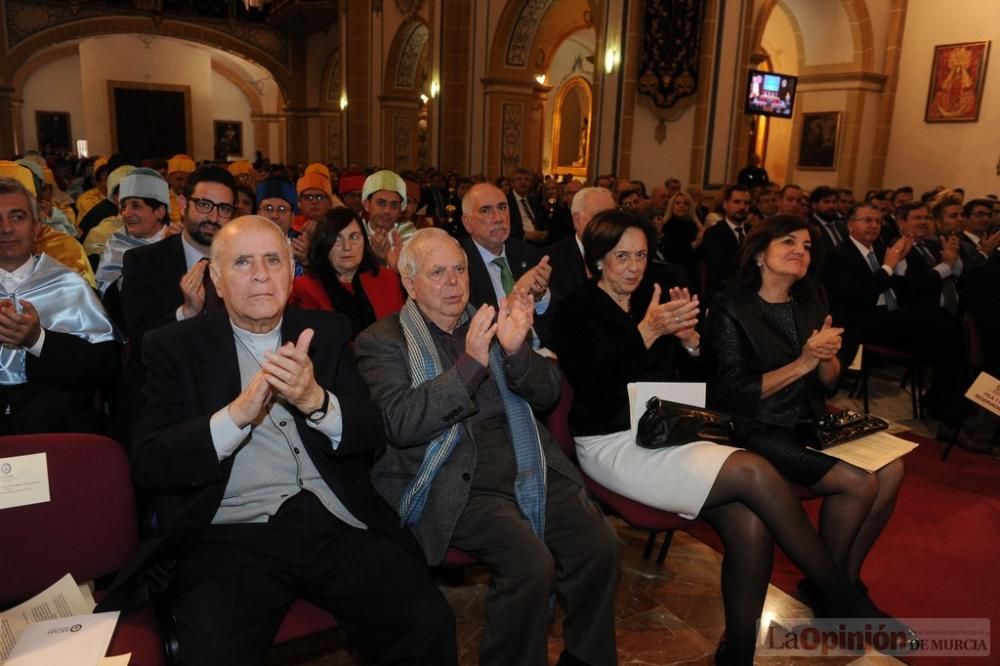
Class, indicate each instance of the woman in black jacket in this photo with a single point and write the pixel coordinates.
(774, 352)
(611, 333)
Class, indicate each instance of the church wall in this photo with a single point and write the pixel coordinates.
(126, 58)
(654, 162)
(54, 87)
(229, 103)
(927, 154)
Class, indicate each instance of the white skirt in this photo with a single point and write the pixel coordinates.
(676, 479)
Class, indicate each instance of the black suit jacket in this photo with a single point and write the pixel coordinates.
(522, 257)
(150, 293)
(516, 223)
(193, 372)
(568, 270)
(921, 286)
(719, 251)
(854, 290)
(981, 295)
(59, 393)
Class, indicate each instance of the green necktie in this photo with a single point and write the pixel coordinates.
(506, 277)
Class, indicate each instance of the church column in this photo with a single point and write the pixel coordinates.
(357, 76)
(296, 112)
(8, 110)
(453, 107)
(515, 124)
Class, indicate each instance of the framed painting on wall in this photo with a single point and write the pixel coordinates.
(228, 138)
(53, 130)
(956, 89)
(819, 142)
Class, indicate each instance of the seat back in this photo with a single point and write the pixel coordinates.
(557, 420)
(88, 528)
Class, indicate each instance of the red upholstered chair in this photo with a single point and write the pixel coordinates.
(88, 528)
(636, 514)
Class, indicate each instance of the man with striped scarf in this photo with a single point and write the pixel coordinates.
(468, 464)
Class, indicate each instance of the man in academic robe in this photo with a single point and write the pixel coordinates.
(57, 345)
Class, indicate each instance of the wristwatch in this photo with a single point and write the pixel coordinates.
(319, 414)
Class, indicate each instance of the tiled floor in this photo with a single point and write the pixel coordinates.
(665, 615)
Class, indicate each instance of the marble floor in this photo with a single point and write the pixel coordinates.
(670, 614)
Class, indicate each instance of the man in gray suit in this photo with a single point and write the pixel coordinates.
(469, 465)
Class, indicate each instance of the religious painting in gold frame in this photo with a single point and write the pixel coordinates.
(571, 118)
(958, 72)
(819, 142)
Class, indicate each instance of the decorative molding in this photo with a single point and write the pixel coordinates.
(333, 78)
(26, 18)
(852, 80)
(409, 55)
(523, 34)
(510, 136)
(402, 132)
(332, 139)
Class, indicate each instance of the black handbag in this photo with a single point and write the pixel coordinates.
(833, 429)
(666, 423)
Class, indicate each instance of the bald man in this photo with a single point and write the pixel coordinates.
(253, 444)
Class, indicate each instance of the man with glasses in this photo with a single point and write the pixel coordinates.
(277, 201)
(870, 292)
(168, 281)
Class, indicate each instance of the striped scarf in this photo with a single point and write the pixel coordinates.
(424, 364)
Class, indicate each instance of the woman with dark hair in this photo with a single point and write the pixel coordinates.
(774, 351)
(611, 333)
(343, 274)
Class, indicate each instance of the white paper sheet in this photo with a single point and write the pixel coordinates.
(873, 452)
(62, 599)
(80, 640)
(985, 392)
(117, 660)
(639, 393)
(23, 480)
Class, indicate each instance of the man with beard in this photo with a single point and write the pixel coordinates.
(168, 281)
(383, 198)
(831, 236)
(721, 242)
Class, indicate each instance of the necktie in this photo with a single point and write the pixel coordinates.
(926, 254)
(890, 297)
(834, 234)
(526, 208)
(740, 234)
(506, 277)
(949, 294)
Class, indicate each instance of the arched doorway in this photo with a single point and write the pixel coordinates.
(571, 122)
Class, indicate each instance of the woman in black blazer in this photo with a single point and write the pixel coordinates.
(774, 352)
(610, 333)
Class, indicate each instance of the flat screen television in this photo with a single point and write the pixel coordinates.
(770, 94)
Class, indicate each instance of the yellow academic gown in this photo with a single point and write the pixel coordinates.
(98, 237)
(66, 250)
(175, 208)
(88, 200)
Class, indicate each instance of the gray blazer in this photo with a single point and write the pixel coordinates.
(415, 416)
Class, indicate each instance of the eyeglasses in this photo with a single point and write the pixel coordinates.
(313, 197)
(354, 238)
(269, 209)
(205, 206)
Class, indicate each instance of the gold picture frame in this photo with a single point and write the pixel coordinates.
(819, 142)
(958, 73)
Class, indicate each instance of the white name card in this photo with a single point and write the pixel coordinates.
(23, 480)
(985, 392)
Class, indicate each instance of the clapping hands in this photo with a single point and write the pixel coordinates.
(823, 344)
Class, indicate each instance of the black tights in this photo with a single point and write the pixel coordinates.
(749, 504)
